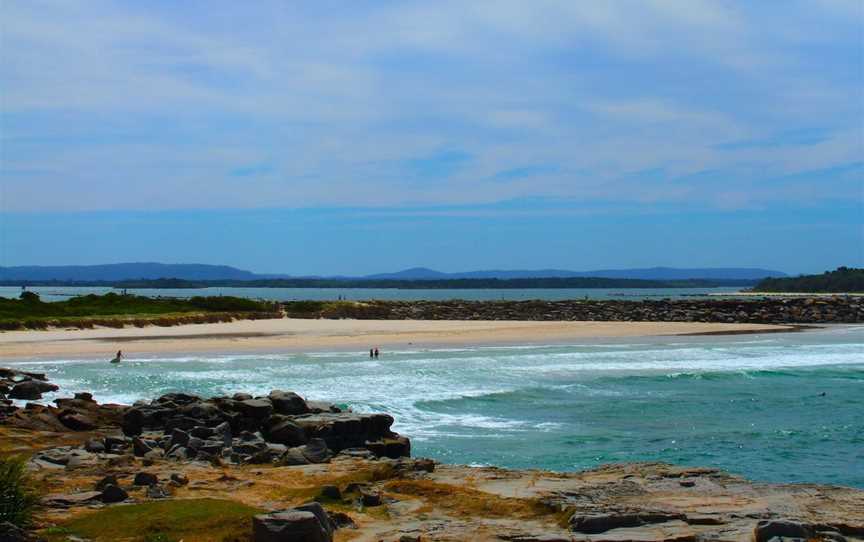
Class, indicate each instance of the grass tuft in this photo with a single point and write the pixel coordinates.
(17, 498)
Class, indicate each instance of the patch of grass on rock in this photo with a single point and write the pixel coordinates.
(190, 520)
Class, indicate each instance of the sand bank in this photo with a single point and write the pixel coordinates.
(311, 335)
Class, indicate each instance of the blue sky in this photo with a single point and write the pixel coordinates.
(357, 137)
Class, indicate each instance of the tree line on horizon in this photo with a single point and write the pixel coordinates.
(841, 280)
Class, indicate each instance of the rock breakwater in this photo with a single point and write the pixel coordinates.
(837, 310)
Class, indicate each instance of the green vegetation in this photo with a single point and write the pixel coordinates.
(190, 520)
(17, 498)
(118, 310)
(841, 280)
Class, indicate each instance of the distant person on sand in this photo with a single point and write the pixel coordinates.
(118, 358)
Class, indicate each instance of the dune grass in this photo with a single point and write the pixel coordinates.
(190, 520)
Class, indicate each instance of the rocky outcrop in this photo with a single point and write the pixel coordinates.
(21, 385)
(80, 413)
(281, 426)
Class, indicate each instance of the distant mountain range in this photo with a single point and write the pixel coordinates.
(652, 273)
(204, 272)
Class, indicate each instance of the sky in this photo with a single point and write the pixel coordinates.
(353, 137)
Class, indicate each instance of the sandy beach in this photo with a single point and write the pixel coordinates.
(316, 335)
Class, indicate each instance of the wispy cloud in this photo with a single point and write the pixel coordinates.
(138, 105)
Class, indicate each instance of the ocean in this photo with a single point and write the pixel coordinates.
(785, 407)
(60, 293)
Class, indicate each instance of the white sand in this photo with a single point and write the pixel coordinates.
(312, 335)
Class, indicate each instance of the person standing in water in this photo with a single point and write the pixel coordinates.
(118, 358)
(371, 353)
(376, 353)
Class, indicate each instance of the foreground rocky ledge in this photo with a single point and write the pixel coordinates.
(279, 467)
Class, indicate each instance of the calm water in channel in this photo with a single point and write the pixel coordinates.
(778, 407)
(54, 293)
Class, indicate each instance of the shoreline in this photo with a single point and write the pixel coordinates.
(321, 335)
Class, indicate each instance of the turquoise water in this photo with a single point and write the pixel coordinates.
(750, 404)
(55, 293)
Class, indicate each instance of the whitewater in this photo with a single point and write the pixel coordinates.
(783, 407)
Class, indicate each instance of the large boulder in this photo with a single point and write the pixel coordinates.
(257, 409)
(287, 402)
(289, 526)
(133, 421)
(31, 389)
(282, 430)
(76, 422)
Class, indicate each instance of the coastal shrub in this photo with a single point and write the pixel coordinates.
(30, 297)
(113, 310)
(17, 499)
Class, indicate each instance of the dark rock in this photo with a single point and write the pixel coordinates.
(181, 422)
(106, 481)
(331, 492)
(783, 528)
(194, 443)
(256, 409)
(289, 526)
(370, 498)
(202, 432)
(200, 411)
(289, 403)
(84, 396)
(114, 444)
(179, 437)
(249, 448)
(146, 479)
(211, 447)
(283, 431)
(179, 479)
(321, 514)
(31, 389)
(133, 421)
(322, 406)
(178, 398)
(241, 396)
(112, 493)
(315, 451)
(294, 457)
(140, 447)
(393, 448)
(76, 422)
(95, 446)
